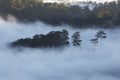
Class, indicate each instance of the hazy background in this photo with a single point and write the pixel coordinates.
(87, 62)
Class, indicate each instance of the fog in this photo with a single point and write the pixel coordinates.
(87, 62)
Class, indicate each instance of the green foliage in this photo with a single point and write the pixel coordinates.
(22, 4)
(104, 14)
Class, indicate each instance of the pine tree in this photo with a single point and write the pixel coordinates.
(76, 39)
(99, 35)
(94, 41)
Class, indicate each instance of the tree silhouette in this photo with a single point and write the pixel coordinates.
(76, 39)
(52, 39)
(99, 35)
(94, 41)
(65, 37)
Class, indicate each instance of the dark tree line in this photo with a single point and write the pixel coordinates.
(103, 14)
(56, 39)
(52, 39)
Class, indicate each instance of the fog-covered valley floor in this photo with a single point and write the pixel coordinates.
(88, 62)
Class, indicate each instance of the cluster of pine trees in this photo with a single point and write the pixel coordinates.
(56, 39)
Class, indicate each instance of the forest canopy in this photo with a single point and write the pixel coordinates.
(103, 14)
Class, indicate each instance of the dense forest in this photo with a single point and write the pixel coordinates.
(52, 39)
(103, 14)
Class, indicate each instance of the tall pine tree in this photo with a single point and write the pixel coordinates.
(76, 39)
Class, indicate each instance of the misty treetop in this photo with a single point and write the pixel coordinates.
(52, 39)
(56, 39)
(100, 35)
(76, 39)
(103, 14)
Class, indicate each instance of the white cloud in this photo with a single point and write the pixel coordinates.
(85, 63)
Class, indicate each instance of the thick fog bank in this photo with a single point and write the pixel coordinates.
(87, 62)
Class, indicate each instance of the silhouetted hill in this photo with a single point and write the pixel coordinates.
(103, 14)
